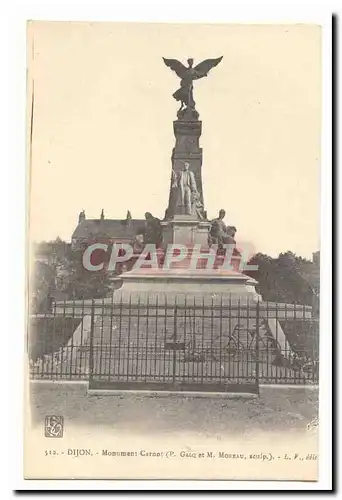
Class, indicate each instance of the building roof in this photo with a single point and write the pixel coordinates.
(112, 228)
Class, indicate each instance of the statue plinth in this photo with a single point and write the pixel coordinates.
(188, 114)
(185, 230)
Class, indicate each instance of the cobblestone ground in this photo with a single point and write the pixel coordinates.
(277, 408)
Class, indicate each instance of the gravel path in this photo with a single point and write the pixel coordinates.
(290, 409)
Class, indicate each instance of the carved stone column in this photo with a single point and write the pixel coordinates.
(179, 227)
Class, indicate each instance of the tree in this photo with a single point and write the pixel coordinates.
(282, 279)
(85, 284)
(42, 281)
(64, 275)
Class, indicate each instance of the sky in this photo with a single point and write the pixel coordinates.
(102, 133)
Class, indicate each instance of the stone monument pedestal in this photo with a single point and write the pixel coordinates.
(205, 284)
(185, 230)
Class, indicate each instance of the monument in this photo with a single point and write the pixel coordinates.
(185, 222)
(178, 307)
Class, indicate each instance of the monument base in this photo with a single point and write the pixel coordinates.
(201, 283)
(185, 230)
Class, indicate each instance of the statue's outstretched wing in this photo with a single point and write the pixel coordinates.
(176, 66)
(203, 68)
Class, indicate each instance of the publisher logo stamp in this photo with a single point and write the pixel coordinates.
(54, 426)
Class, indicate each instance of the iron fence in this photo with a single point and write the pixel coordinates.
(189, 343)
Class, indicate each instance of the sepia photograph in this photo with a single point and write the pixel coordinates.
(173, 253)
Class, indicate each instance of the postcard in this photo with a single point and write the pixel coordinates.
(174, 251)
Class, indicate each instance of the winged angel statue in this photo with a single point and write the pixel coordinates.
(188, 74)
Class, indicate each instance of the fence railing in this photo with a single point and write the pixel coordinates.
(200, 343)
